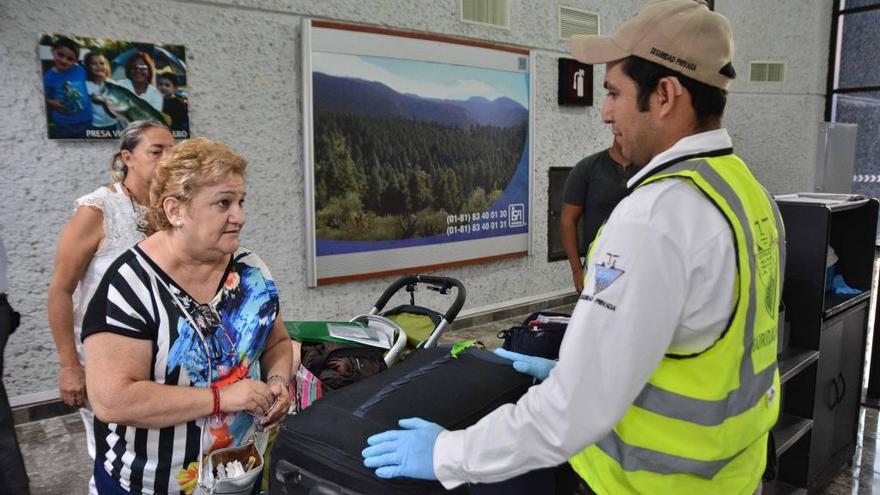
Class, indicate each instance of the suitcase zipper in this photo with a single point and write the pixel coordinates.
(397, 384)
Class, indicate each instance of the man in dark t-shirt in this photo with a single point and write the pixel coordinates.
(592, 190)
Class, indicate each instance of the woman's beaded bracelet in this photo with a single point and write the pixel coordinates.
(216, 392)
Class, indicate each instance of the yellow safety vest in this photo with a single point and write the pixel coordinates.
(700, 425)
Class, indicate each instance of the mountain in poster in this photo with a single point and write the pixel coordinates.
(374, 99)
(390, 166)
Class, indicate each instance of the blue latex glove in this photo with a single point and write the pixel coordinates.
(535, 366)
(830, 272)
(408, 452)
(841, 289)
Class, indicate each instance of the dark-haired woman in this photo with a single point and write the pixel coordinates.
(140, 75)
(105, 223)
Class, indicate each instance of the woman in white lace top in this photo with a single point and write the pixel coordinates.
(111, 222)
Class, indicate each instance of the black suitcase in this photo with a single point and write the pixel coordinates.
(318, 451)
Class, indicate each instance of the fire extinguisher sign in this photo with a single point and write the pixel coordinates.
(575, 83)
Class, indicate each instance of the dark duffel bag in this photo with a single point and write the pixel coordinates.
(535, 338)
(318, 451)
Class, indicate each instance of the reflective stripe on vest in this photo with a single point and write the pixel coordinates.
(704, 412)
(738, 412)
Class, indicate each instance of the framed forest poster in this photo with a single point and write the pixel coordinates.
(417, 151)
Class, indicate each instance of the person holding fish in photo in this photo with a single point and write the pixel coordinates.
(140, 73)
(126, 106)
(98, 74)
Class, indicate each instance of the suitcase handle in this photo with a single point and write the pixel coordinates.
(287, 473)
(392, 387)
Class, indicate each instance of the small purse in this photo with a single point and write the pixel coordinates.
(248, 454)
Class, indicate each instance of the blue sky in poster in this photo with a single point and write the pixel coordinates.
(427, 79)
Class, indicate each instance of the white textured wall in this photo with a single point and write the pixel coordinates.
(244, 70)
(774, 126)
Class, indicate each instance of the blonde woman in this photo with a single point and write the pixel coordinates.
(207, 358)
(105, 223)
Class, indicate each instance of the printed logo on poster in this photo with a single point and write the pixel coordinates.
(516, 215)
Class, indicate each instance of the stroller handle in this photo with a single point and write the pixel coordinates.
(446, 282)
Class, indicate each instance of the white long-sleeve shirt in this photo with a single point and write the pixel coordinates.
(667, 286)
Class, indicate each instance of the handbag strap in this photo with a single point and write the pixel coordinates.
(145, 264)
(183, 309)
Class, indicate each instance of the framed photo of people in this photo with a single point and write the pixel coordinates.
(94, 87)
(418, 151)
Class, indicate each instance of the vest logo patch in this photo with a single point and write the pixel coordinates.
(766, 261)
(607, 273)
(763, 339)
(602, 303)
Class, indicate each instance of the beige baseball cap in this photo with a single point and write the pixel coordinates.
(683, 35)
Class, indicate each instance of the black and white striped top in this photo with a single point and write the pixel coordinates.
(130, 302)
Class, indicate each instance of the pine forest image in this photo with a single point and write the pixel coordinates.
(393, 157)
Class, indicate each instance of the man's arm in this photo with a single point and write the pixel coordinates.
(574, 197)
(616, 338)
(571, 215)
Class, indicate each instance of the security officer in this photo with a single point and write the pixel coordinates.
(667, 379)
